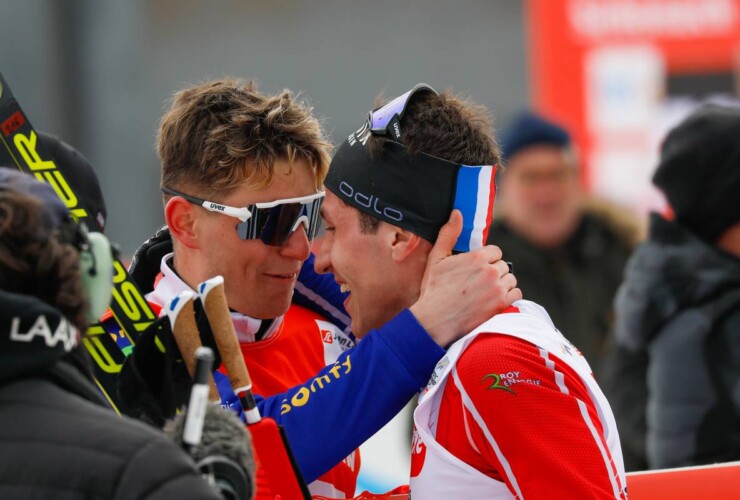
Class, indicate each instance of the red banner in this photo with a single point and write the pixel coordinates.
(602, 67)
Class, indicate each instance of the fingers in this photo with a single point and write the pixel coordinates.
(462, 291)
(507, 280)
(503, 270)
(509, 283)
(490, 264)
(491, 253)
(514, 294)
(447, 238)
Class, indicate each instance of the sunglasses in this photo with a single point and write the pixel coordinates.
(271, 222)
(386, 120)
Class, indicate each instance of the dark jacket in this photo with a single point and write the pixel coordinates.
(57, 443)
(575, 282)
(674, 380)
(57, 438)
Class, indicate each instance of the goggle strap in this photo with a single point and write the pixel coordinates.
(397, 106)
(394, 128)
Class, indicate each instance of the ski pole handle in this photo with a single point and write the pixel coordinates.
(182, 318)
(213, 297)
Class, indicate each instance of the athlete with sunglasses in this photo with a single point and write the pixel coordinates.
(242, 177)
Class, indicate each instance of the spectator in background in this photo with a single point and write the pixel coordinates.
(674, 376)
(58, 437)
(568, 252)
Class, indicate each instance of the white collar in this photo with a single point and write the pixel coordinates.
(171, 285)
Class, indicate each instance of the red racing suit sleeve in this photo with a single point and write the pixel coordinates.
(525, 417)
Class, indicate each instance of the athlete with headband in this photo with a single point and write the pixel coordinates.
(512, 410)
(242, 174)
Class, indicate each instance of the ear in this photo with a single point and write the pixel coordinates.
(181, 217)
(404, 243)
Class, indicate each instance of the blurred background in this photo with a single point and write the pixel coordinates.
(616, 73)
(98, 74)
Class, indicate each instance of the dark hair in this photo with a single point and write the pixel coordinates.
(222, 133)
(38, 263)
(447, 126)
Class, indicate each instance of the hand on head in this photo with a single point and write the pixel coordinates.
(459, 292)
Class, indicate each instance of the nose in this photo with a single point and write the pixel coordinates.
(296, 246)
(322, 262)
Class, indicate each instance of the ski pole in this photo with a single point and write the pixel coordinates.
(185, 330)
(273, 453)
(196, 409)
(213, 298)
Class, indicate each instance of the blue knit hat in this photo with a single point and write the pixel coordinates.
(529, 129)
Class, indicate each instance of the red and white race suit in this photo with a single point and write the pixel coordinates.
(513, 411)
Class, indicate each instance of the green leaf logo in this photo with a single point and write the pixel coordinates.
(496, 383)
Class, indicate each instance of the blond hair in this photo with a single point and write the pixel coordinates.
(220, 134)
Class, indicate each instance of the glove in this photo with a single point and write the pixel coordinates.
(154, 382)
(150, 381)
(147, 259)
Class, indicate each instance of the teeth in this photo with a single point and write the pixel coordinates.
(344, 287)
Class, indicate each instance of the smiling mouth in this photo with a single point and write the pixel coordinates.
(283, 276)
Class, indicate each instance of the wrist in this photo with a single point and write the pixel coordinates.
(411, 345)
(434, 323)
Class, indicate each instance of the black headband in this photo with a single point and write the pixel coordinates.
(412, 192)
(415, 192)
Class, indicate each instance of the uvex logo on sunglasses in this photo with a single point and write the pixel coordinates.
(216, 206)
(370, 201)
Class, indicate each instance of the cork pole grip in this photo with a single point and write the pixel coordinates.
(185, 330)
(213, 297)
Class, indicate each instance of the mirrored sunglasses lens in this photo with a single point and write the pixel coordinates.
(277, 223)
(314, 218)
(273, 226)
(244, 229)
(381, 117)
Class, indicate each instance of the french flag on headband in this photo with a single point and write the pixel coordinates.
(474, 197)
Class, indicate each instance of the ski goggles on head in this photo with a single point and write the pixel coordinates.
(271, 222)
(386, 120)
